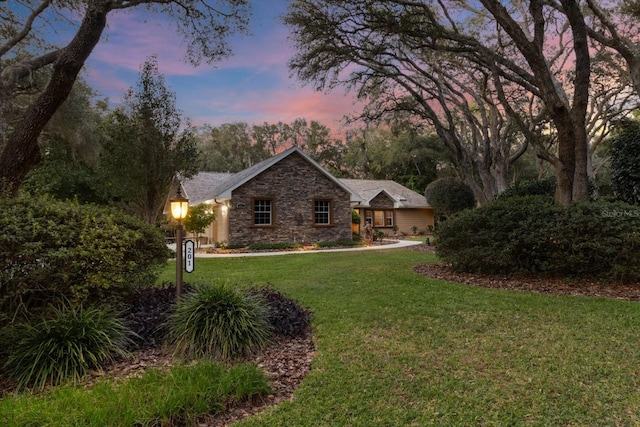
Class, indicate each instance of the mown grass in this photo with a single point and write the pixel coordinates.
(177, 397)
(396, 348)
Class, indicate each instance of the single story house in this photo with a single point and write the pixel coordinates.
(291, 198)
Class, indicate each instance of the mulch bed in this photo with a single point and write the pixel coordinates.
(544, 285)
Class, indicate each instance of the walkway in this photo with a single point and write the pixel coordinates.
(398, 244)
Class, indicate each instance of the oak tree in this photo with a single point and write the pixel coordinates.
(24, 51)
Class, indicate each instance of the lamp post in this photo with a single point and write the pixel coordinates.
(179, 207)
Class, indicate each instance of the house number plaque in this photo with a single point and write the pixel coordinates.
(189, 256)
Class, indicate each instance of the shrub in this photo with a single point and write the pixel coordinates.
(531, 235)
(531, 187)
(448, 196)
(338, 243)
(63, 344)
(625, 176)
(355, 217)
(218, 321)
(83, 253)
(274, 246)
(286, 317)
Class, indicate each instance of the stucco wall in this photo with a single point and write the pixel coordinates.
(292, 184)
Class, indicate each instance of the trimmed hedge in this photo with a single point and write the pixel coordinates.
(531, 235)
(82, 253)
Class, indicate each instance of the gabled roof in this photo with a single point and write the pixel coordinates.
(212, 186)
(369, 189)
(199, 188)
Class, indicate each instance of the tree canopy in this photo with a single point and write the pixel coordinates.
(490, 77)
(147, 145)
(24, 52)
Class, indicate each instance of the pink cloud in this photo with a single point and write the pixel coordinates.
(128, 42)
(278, 106)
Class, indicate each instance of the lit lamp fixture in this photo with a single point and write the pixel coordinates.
(179, 207)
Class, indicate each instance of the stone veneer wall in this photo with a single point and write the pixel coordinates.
(381, 201)
(292, 184)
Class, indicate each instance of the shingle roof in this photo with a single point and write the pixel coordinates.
(202, 187)
(403, 197)
(209, 185)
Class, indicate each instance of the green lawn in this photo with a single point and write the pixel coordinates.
(395, 348)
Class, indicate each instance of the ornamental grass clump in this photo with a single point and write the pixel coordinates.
(218, 321)
(63, 344)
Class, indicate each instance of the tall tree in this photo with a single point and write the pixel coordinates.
(229, 148)
(70, 146)
(399, 153)
(506, 85)
(147, 145)
(205, 25)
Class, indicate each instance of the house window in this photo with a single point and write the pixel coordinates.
(388, 218)
(378, 218)
(381, 218)
(322, 212)
(262, 212)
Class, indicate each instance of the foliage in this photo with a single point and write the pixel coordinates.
(625, 157)
(80, 252)
(355, 217)
(274, 246)
(228, 148)
(70, 149)
(180, 395)
(401, 153)
(448, 196)
(146, 146)
(233, 147)
(63, 344)
(64, 176)
(531, 187)
(530, 235)
(28, 51)
(332, 244)
(218, 321)
(286, 317)
(199, 217)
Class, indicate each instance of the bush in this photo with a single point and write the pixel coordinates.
(448, 196)
(63, 344)
(273, 246)
(339, 243)
(625, 154)
(286, 317)
(531, 235)
(531, 187)
(218, 321)
(83, 253)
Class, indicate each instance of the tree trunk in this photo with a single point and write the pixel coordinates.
(22, 152)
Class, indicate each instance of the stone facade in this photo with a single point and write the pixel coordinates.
(292, 185)
(381, 201)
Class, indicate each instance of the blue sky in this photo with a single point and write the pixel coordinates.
(252, 86)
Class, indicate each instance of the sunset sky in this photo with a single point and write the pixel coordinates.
(252, 86)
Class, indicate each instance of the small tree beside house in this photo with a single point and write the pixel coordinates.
(198, 219)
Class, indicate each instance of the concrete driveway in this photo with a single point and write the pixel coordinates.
(398, 244)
